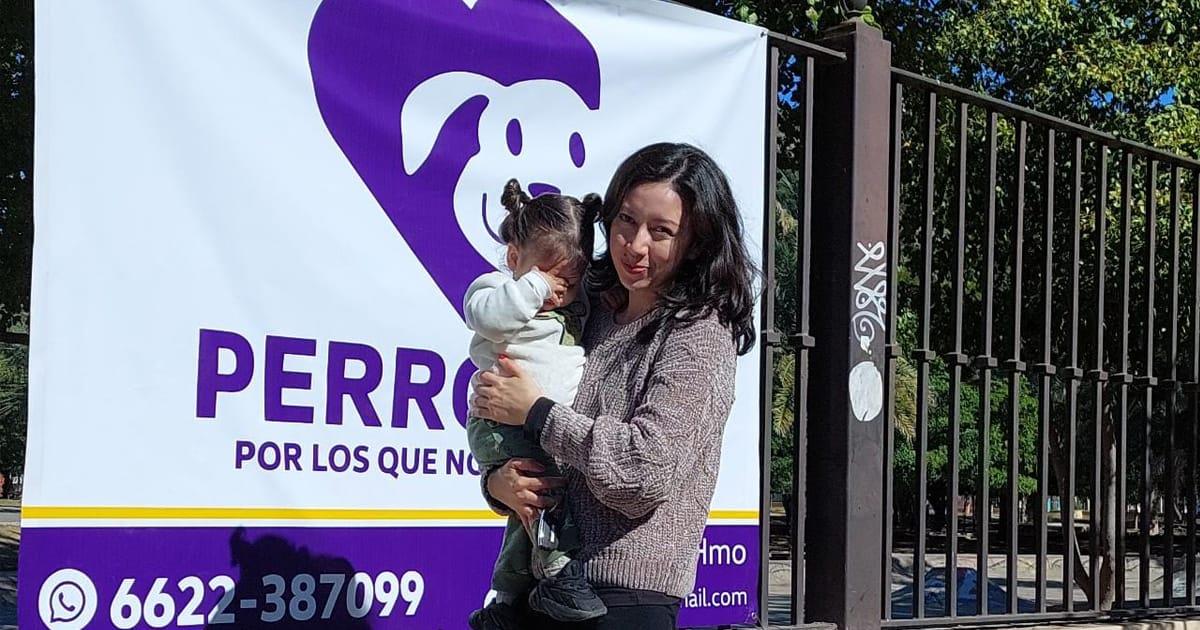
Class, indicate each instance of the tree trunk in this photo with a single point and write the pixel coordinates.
(1106, 537)
(1109, 519)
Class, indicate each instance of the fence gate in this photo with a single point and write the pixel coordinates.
(1001, 371)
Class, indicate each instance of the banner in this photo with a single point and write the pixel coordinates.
(256, 220)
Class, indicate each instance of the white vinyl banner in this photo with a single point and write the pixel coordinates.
(256, 220)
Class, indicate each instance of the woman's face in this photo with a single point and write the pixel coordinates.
(648, 238)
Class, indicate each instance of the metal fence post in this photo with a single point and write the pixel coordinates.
(849, 296)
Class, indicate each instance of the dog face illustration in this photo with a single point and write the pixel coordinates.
(524, 129)
(437, 102)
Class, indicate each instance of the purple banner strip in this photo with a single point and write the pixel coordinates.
(323, 577)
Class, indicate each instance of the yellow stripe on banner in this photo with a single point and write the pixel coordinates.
(231, 513)
(282, 514)
(733, 515)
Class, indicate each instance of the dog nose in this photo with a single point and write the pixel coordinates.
(538, 188)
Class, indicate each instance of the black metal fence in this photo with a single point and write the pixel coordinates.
(1038, 299)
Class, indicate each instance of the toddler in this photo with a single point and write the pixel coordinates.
(535, 317)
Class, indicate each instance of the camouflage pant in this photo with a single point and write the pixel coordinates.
(520, 562)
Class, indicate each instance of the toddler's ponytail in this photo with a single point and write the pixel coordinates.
(553, 221)
(515, 201)
(592, 206)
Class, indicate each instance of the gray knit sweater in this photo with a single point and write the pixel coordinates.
(642, 444)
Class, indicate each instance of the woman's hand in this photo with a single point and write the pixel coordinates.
(506, 397)
(517, 485)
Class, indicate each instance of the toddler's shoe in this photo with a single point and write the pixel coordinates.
(567, 596)
(495, 616)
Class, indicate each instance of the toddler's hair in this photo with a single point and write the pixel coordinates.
(559, 222)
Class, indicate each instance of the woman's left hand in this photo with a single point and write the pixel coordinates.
(506, 397)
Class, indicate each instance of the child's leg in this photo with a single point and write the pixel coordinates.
(513, 575)
(567, 534)
(493, 443)
(563, 593)
(549, 561)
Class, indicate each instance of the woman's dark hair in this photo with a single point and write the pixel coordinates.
(560, 222)
(716, 274)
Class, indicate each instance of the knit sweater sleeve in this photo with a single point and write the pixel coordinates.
(633, 465)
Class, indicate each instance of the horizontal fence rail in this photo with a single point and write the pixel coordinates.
(1045, 366)
(21, 339)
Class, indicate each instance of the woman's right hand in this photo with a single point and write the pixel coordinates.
(517, 485)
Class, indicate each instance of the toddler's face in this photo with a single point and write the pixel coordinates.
(568, 274)
(564, 274)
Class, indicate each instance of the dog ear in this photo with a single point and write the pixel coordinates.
(426, 109)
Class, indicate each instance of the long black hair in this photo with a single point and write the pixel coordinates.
(716, 274)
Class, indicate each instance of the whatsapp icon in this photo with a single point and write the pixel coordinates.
(67, 600)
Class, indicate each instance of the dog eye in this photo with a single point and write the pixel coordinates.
(513, 134)
(577, 150)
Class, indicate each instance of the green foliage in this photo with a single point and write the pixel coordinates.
(16, 158)
(14, 408)
(1127, 67)
(1124, 67)
(969, 421)
(782, 438)
(800, 18)
(787, 313)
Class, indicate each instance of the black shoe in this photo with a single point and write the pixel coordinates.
(496, 616)
(567, 596)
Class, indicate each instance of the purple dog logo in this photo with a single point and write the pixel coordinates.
(437, 102)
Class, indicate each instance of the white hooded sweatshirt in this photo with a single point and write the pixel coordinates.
(503, 312)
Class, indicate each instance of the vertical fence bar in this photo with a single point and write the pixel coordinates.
(986, 363)
(1046, 371)
(956, 360)
(1171, 394)
(923, 357)
(1125, 378)
(1195, 394)
(1072, 373)
(1098, 377)
(893, 348)
(803, 343)
(1148, 381)
(1016, 366)
(770, 336)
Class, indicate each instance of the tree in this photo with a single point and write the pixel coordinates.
(16, 158)
(14, 410)
(1121, 67)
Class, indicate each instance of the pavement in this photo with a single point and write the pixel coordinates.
(8, 600)
(902, 589)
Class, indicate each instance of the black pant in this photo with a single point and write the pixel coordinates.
(628, 609)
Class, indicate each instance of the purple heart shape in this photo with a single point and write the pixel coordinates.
(367, 56)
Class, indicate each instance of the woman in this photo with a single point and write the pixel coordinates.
(642, 443)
